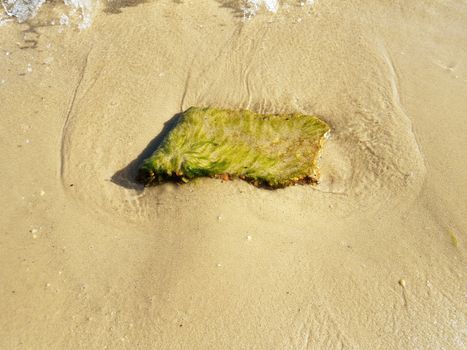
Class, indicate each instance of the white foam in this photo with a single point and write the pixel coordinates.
(22, 9)
(82, 9)
(251, 7)
(26, 9)
(271, 5)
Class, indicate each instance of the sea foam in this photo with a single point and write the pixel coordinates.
(23, 10)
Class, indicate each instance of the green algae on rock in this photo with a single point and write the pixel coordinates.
(270, 150)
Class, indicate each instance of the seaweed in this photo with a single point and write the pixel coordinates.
(267, 150)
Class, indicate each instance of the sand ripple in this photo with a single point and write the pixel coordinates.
(121, 105)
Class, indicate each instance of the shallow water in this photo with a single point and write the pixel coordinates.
(374, 150)
(82, 10)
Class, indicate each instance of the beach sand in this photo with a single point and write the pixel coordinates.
(374, 257)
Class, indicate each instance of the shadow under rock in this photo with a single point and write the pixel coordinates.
(126, 177)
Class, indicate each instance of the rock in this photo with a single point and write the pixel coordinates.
(267, 150)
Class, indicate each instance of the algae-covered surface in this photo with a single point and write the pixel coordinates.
(271, 150)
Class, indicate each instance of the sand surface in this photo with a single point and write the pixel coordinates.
(373, 258)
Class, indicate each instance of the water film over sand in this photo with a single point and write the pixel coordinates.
(372, 256)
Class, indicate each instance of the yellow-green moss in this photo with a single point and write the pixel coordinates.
(267, 150)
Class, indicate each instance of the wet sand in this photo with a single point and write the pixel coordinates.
(372, 258)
